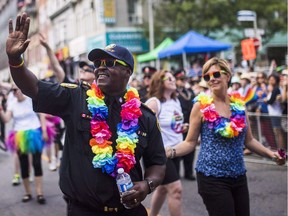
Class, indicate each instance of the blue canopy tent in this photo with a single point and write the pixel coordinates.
(193, 42)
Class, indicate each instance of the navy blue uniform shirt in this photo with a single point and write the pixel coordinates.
(79, 180)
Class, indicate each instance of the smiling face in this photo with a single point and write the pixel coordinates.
(112, 80)
(169, 82)
(216, 83)
(217, 74)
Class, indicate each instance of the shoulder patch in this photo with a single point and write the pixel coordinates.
(69, 85)
(147, 108)
(85, 84)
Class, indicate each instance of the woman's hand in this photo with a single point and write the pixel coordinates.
(185, 127)
(280, 157)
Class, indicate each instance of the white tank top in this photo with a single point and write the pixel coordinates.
(170, 118)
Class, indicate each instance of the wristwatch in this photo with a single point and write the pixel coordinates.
(150, 185)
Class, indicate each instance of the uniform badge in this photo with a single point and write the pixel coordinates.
(69, 85)
(141, 133)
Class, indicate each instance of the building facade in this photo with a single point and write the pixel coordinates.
(73, 28)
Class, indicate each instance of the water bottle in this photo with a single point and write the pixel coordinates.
(123, 180)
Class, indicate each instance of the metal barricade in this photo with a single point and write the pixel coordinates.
(269, 130)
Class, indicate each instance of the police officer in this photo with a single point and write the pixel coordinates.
(185, 97)
(88, 185)
(147, 71)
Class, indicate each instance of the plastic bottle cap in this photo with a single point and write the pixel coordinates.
(120, 170)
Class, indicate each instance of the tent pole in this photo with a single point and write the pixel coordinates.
(158, 64)
(184, 59)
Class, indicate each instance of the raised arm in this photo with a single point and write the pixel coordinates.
(56, 67)
(16, 45)
(255, 146)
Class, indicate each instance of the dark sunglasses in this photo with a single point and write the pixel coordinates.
(88, 70)
(215, 74)
(14, 90)
(108, 63)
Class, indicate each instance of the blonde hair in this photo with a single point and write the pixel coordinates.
(221, 63)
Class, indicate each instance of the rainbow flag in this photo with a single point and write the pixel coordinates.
(250, 96)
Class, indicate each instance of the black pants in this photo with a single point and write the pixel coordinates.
(224, 196)
(24, 164)
(77, 209)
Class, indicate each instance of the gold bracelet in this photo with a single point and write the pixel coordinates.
(18, 66)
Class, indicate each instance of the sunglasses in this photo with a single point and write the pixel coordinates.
(168, 78)
(14, 90)
(108, 63)
(215, 74)
(88, 70)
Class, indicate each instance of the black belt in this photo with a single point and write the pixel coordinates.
(98, 209)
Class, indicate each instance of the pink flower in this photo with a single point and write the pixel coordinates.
(210, 114)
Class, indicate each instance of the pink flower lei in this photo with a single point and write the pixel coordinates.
(237, 121)
(126, 131)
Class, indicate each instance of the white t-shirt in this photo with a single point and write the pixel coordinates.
(170, 118)
(24, 118)
(274, 109)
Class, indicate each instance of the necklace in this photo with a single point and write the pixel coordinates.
(237, 121)
(126, 131)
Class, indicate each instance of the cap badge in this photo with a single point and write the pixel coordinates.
(110, 47)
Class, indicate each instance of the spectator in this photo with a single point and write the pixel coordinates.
(235, 84)
(163, 100)
(86, 71)
(274, 107)
(261, 93)
(28, 136)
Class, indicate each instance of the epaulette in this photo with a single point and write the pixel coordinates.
(85, 85)
(69, 85)
(148, 108)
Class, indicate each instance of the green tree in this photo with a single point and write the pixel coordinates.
(175, 17)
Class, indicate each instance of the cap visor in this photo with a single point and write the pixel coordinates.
(99, 54)
(82, 64)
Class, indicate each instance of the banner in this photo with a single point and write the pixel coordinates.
(248, 49)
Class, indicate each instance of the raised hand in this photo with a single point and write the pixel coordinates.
(17, 41)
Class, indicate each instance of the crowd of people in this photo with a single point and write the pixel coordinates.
(112, 120)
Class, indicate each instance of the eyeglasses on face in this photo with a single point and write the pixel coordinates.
(87, 70)
(14, 90)
(108, 63)
(215, 74)
(169, 78)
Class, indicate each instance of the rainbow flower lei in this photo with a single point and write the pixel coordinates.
(126, 131)
(226, 129)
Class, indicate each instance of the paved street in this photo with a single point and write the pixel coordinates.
(267, 184)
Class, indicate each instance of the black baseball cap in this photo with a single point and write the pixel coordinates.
(84, 63)
(114, 51)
